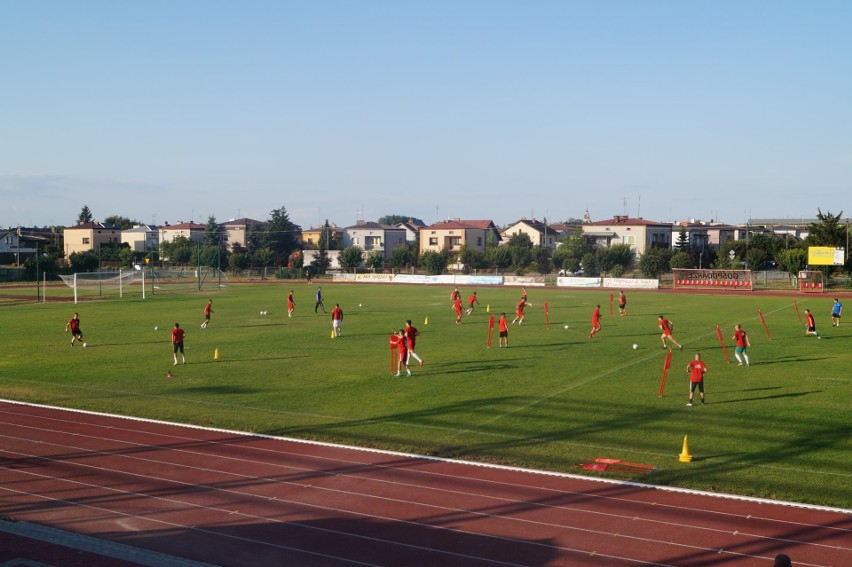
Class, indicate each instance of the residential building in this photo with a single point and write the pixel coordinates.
(236, 231)
(638, 233)
(412, 231)
(89, 236)
(311, 236)
(540, 234)
(190, 230)
(371, 236)
(451, 235)
(142, 238)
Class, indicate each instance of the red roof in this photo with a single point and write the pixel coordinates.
(460, 224)
(626, 221)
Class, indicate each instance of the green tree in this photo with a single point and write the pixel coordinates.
(263, 256)
(396, 219)
(85, 215)
(655, 261)
(682, 244)
(375, 260)
(121, 222)
(212, 232)
(402, 256)
(828, 231)
(472, 258)
(542, 258)
(87, 261)
(351, 257)
(521, 247)
(280, 235)
(681, 259)
(321, 261)
(434, 262)
(181, 250)
(499, 258)
(236, 261)
(793, 261)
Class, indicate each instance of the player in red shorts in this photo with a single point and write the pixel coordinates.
(519, 311)
(810, 324)
(622, 304)
(457, 306)
(504, 331)
(291, 304)
(208, 309)
(666, 327)
(403, 353)
(411, 334)
(596, 321)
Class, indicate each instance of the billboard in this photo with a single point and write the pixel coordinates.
(826, 255)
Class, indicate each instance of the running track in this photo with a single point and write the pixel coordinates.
(224, 498)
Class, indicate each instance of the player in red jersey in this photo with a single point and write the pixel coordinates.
(455, 294)
(504, 331)
(457, 306)
(666, 327)
(208, 309)
(403, 353)
(743, 343)
(470, 301)
(411, 334)
(73, 325)
(178, 335)
(291, 304)
(596, 321)
(519, 311)
(696, 370)
(336, 319)
(810, 324)
(622, 304)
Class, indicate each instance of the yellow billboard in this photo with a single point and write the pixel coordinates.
(826, 255)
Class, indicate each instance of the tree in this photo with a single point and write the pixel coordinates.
(178, 251)
(542, 259)
(828, 231)
(321, 261)
(434, 262)
(375, 260)
(121, 222)
(472, 258)
(520, 246)
(350, 257)
(87, 261)
(681, 259)
(279, 235)
(85, 215)
(655, 261)
(499, 257)
(793, 261)
(212, 232)
(263, 256)
(402, 256)
(396, 219)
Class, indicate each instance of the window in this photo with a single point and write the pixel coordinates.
(631, 240)
(479, 241)
(433, 241)
(86, 240)
(455, 241)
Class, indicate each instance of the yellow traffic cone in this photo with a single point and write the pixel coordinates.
(488, 309)
(426, 322)
(332, 333)
(216, 353)
(685, 457)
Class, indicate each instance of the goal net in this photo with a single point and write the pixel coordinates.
(187, 279)
(87, 285)
(811, 281)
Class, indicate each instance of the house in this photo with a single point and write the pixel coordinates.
(192, 231)
(236, 231)
(372, 236)
(90, 236)
(17, 244)
(412, 231)
(638, 233)
(142, 238)
(540, 234)
(311, 236)
(451, 235)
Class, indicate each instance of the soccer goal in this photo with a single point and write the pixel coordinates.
(811, 281)
(105, 284)
(177, 279)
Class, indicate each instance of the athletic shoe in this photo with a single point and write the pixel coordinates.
(421, 364)
(175, 364)
(702, 402)
(740, 364)
(409, 372)
(689, 404)
(397, 374)
(680, 347)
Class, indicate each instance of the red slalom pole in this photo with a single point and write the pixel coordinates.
(764, 324)
(796, 305)
(610, 303)
(666, 365)
(546, 315)
(490, 329)
(722, 342)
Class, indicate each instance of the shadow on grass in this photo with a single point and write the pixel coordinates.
(775, 397)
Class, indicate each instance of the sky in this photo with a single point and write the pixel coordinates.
(164, 111)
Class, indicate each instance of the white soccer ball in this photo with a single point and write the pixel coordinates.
(635, 346)
(566, 326)
(359, 305)
(156, 328)
(261, 312)
(85, 345)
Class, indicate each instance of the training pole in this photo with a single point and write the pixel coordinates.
(796, 305)
(666, 365)
(610, 303)
(722, 342)
(546, 316)
(764, 324)
(490, 329)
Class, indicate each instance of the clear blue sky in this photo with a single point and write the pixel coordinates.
(175, 110)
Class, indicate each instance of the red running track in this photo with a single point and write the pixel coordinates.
(225, 498)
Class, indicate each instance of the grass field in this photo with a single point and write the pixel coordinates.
(779, 429)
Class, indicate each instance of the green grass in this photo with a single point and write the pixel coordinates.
(779, 429)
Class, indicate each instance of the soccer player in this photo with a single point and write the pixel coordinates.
(456, 294)
(411, 334)
(208, 309)
(319, 301)
(394, 345)
(470, 301)
(457, 306)
(743, 343)
(74, 325)
(178, 335)
(666, 327)
(810, 324)
(519, 310)
(403, 353)
(291, 304)
(336, 319)
(835, 313)
(504, 331)
(622, 304)
(696, 370)
(596, 321)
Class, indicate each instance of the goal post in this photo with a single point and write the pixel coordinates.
(811, 281)
(104, 284)
(724, 280)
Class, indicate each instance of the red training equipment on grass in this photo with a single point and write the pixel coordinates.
(764, 324)
(722, 342)
(666, 365)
